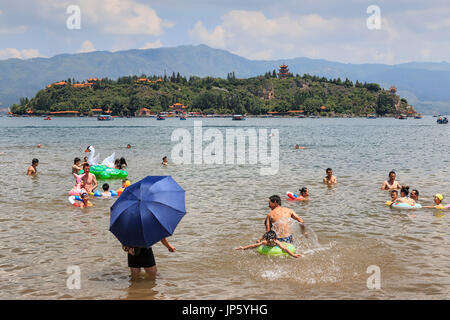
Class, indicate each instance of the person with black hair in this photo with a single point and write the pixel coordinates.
(32, 170)
(76, 165)
(270, 239)
(329, 178)
(279, 217)
(404, 196)
(391, 184)
(123, 163)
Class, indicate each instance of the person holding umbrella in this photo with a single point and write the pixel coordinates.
(143, 258)
(147, 212)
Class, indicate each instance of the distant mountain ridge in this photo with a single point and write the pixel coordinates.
(426, 85)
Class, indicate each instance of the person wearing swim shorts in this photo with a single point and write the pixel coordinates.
(391, 184)
(278, 218)
(270, 239)
(143, 258)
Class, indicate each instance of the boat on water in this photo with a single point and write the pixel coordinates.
(160, 117)
(48, 118)
(402, 117)
(238, 117)
(105, 117)
(442, 120)
(418, 116)
(301, 116)
(371, 116)
(314, 117)
(182, 117)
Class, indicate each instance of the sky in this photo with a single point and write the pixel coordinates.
(351, 31)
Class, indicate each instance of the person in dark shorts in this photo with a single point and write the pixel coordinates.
(143, 258)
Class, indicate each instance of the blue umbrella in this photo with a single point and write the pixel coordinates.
(147, 211)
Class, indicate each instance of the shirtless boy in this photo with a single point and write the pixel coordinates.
(280, 216)
(88, 181)
(32, 169)
(329, 178)
(391, 184)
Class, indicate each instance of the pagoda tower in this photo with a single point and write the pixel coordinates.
(283, 72)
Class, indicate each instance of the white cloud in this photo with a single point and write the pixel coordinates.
(87, 46)
(152, 45)
(10, 53)
(123, 17)
(215, 38)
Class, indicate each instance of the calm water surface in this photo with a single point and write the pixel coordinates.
(41, 234)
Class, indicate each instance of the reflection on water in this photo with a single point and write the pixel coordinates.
(349, 226)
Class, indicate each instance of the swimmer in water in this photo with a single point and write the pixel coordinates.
(85, 160)
(394, 198)
(304, 194)
(329, 178)
(32, 170)
(391, 184)
(128, 146)
(404, 196)
(280, 216)
(123, 163)
(270, 239)
(415, 195)
(438, 200)
(165, 161)
(85, 200)
(106, 193)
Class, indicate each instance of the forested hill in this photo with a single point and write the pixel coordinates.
(258, 95)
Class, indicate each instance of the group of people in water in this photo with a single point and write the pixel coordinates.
(407, 197)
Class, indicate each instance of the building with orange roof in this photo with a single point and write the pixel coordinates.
(178, 108)
(283, 72)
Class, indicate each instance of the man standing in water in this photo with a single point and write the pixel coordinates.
(279, 218)
(391, 184)
(88, 181)
(32, 170)
(329, 178)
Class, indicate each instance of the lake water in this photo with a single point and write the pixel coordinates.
(41, 234)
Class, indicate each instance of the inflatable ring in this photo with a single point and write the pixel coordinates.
(293, 196)
(99, 194)
(276, 251)
(73, 202)
(406, 206)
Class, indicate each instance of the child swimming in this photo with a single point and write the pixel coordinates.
(106, 193)
(270, 239)
(394, 198)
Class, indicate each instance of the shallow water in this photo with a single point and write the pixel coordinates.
(41, 234)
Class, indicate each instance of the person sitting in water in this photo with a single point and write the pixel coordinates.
(76, 166)
(391, 184)
(270, 239)
(280, 216)
(88, 181)
(85, 200)
(32, 170)
(438, 200)
(165, 161)
(329, 178)
(125, 183)
(106, 193)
